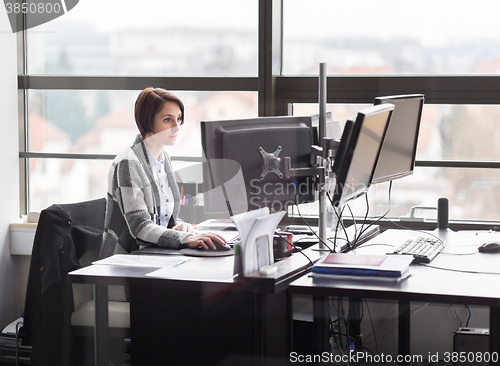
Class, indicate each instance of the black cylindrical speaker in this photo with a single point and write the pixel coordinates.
(442, 214)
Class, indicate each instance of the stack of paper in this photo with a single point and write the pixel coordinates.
(356, 266)
(157, 261)
(256, 230)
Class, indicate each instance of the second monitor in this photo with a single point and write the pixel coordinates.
(359, 151)
(397, 157)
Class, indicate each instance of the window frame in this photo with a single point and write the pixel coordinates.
(472, 90)
(276, 92)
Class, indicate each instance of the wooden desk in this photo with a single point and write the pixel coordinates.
(197, 315)
(452, 279)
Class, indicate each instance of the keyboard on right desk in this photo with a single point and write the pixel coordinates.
(423, 249)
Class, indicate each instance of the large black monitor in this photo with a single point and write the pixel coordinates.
(359, 151)
(397, 157)
(243, 170)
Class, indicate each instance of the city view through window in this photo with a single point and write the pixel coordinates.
(194, 38)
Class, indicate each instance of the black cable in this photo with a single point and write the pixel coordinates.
(307, 239)
(456, 315)
(415, 230)
(365, 348)
(361, 230)
(353, 221)
(457, 270)
(352, 243)
(371, 323)
(382, 322)
(366, 216)
(375, 244)
(333, 304)
(352, 325)
(293, 246)
(339, 315)
(336, 237)
(339, 215)
(354, 318)
(309, 226)
(447, 253)
(342, 314)
(380, 217)
(339, 221)
(397, 326)
(336, 335)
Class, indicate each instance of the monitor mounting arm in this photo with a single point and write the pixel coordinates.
(321, 161)
(272, 163)
(330, 149)
(301, 172)
(324, 156)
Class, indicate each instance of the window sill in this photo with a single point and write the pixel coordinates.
(22, 236)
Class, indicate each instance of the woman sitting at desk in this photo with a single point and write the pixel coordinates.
(143, 199)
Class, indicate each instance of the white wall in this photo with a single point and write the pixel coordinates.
(9, 182)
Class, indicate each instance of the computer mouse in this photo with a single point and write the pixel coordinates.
(490, 247)
(218, 247)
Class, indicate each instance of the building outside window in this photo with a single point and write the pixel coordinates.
(82, 70)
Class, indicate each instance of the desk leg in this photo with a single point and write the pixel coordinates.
(495, 332)
(404, 328)
(274, 337)
(321, 316)
(101, 325)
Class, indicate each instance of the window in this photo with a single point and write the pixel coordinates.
(446, 135)
(96, 122)
(84, 70)
(380, 48)
(150, 37)
(82, 73)
(390, 37)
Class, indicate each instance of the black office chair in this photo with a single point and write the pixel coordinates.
(68, 237)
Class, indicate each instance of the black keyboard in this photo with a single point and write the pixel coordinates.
(423, 249)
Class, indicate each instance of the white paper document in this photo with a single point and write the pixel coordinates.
(180, 273)
(256, 230)
(156, 261)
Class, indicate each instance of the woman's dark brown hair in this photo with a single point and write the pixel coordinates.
(147, 106)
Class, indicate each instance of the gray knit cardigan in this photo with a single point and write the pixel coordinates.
(133, 203)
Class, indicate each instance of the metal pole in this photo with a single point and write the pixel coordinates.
(322, 133)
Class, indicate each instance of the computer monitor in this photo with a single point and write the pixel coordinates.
(332, 128)
(243, 170)
(358, 152)
(397, 157)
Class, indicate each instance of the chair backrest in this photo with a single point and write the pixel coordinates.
(65, 234)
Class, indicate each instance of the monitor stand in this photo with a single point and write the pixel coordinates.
(322, 224)
(322, 133)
